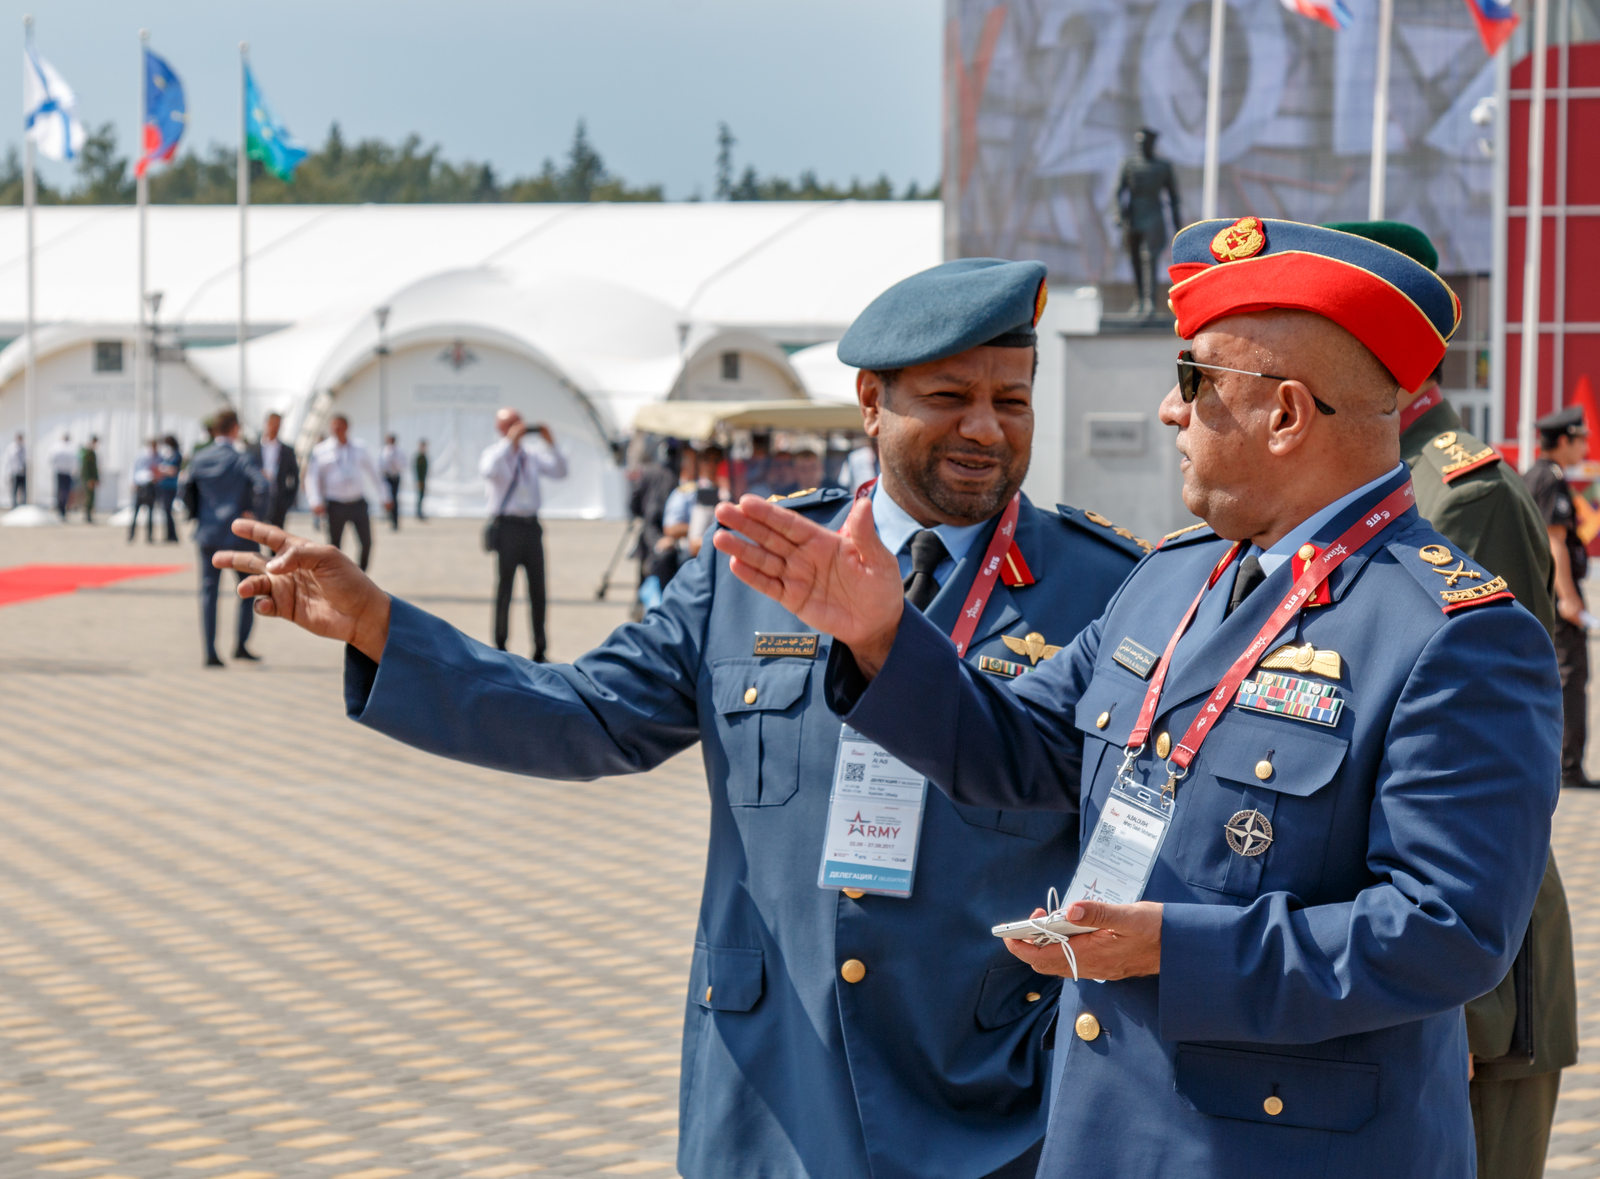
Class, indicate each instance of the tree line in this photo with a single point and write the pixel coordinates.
(375, 171)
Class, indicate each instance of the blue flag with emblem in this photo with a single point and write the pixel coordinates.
(266, 139)
(166, 113)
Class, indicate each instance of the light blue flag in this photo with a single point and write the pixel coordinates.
(267, 139)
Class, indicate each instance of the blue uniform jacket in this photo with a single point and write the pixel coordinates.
(220, 483)
(931, 1067)
(1329, 972)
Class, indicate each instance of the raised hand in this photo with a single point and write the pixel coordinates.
(843, 583)
(314, 586)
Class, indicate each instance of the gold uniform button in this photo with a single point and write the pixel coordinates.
(749, 695)
(1273, 1105)
(1163, 745)
(1087, 1026)
(708, 994)
(1305, 554)
(855, 894)
(1263, 769)
(1033, 996)
(1102, 720)
(853, 970)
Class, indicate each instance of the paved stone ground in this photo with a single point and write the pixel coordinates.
(241, 937)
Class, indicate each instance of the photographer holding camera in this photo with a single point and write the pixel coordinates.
(514, 535)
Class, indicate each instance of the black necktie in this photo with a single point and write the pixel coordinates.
(927, 554)
(1250, 575)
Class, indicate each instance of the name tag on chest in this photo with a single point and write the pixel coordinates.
(802, 646)
(874, 820)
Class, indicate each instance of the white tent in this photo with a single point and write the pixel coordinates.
(577, 314)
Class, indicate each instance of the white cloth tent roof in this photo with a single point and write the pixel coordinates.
(800, 268)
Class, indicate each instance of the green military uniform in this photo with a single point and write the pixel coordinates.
(1484, 508)
(89, 475)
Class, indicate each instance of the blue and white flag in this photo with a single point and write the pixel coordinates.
(266, 139)
(49, 109)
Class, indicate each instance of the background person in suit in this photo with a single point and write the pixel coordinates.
(146, 473)
(419, 464)
(222, 484)
(282, 470)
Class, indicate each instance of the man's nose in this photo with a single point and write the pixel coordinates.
(981, 424)
(1174, 409)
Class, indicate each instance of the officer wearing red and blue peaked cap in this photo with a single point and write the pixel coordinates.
(1402, 311)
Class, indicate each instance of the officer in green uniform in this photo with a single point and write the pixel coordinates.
(1525, 1031)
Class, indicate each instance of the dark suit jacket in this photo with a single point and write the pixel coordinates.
(219, 484)
(285, 486)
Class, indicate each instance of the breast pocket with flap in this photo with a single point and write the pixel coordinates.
(760, 706)
(1274, 766)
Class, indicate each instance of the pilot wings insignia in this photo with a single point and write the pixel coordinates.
(1032, 645)
(1304, 659)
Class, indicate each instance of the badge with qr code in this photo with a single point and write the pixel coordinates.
(874, 821)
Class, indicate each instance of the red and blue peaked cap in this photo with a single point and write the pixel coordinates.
(1402, 311)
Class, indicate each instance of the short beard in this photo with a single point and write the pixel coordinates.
(969, 507)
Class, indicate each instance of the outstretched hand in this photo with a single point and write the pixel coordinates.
(845, 583)
(314, 586)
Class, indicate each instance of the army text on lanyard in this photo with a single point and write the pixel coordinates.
(1316, 572)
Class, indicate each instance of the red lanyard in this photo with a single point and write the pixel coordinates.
(1419, 407)
(972, 609)
(1317, 572)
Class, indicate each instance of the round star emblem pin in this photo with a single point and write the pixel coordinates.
(1249, 833)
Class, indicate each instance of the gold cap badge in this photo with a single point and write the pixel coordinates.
(1245, 238)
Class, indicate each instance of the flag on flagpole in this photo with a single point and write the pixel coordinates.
(49, 109)
(1333, 13)
(267, 139)
(164, 113)
(1496, 22)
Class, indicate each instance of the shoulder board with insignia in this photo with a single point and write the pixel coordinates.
(1452, 579)
(1200, 531)
(809, 498)
(1098, 526)
(1456, 453)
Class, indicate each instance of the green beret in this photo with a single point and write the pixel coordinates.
(946, 310)
(1397, 235)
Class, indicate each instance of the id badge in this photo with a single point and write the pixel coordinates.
(874, 820)
(1121, 854)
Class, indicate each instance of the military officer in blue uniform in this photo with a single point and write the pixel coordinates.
(830, 1031)
(1313, 747)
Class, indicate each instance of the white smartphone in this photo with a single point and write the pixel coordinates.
(1027, 931)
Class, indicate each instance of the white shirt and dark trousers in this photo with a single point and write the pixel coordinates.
(393, 464)
(335, 482)
(512, 475)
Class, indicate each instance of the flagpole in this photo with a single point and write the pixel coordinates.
(1380, 112)
(1498, 279)
(1533, 246)
(142, 196)
(244, 206)
(1208, 200)
(30, 438)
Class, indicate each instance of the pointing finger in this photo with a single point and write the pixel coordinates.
(747, 554)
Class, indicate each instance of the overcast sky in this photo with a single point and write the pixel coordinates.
(847, 87)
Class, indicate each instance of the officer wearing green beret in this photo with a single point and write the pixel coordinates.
(1525, 1031)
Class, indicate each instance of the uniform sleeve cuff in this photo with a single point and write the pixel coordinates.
(1193, 944)
(921, 654)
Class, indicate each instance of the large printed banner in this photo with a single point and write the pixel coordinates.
(1043, 98)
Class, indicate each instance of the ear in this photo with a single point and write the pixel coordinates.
(1290, 418)
(870, 393)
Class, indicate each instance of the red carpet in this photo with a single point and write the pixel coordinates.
(22, 583)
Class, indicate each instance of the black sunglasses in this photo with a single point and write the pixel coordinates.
(1189, 379)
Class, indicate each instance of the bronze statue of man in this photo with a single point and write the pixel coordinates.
(1144, 177)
